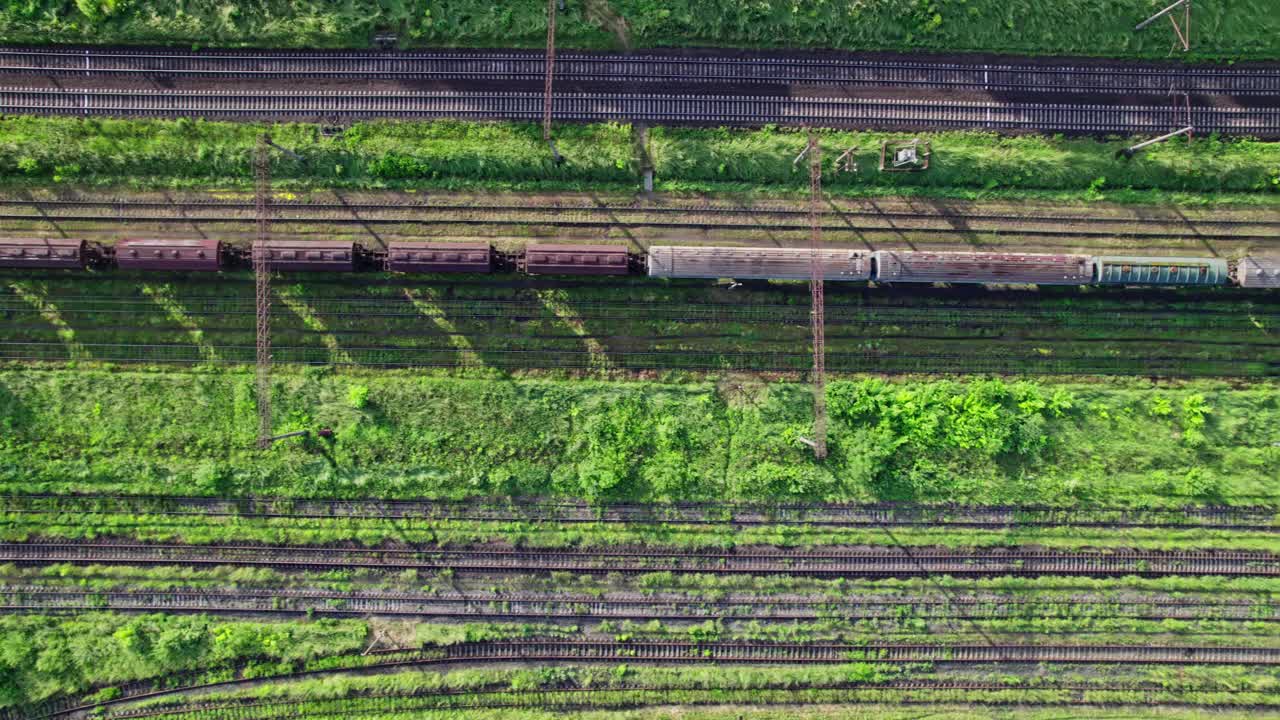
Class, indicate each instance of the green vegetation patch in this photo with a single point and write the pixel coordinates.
(401, 434)
(43, 657)
(1240, 29)
(451, 155)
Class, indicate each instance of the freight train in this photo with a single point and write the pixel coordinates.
(737, 263)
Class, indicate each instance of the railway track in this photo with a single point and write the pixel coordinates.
(668, 653)
(626, 606)
(658, 108)
(691, 311)
(146, 316)
(518, 311)
(635, 696)
(1244, 350)
(663, 652)
(588, 360)
(681, 216)
(901, 562)
(149, 325)
(643, 68)
(585, 359)
(1044, 692)
(284, 208)
(840, 653)
(706, 513)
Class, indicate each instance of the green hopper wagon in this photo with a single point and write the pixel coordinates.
(1125, 270)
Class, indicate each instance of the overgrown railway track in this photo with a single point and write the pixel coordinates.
(878, 562)
(587, 359)
(691, 216)
(643, 68)
(661, 108)
(445, 355)
(683, 310)
(630, 696)
(626, 606)
(703, 513)
(671, 653)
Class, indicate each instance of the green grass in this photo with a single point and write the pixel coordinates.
(415, 434)
(1047, 589)
(1238, 29)
(451, 155)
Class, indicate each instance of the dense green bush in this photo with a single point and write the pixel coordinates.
(906, 441)
(41, 657)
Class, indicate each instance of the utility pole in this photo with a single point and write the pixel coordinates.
(1183, 32)
(549, 68)
(816, 293)
(1182, 120)
(1129, 151)
(262, 284)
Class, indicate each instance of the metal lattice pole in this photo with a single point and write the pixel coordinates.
(262, 285)
(1183, 32)
(816, 292)
(550, 70)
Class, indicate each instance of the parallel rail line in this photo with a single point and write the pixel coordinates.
(641, 68)
(873, 652)
(660, 217)
(667, 208)
(897, 692)
(630, 606)
(668, 652)
(605, 224)
(393, 303)
(150, 326)
(744, 110)
(636, 695)
(1192, 348)
(692, 360)
(704, 513)
(144, 310)
(692, 311)
(77, 307)
(833, 563)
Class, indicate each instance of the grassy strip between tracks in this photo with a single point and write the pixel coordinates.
(403, 434)
(1244, 29)
(694, 586)
(480, 156)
